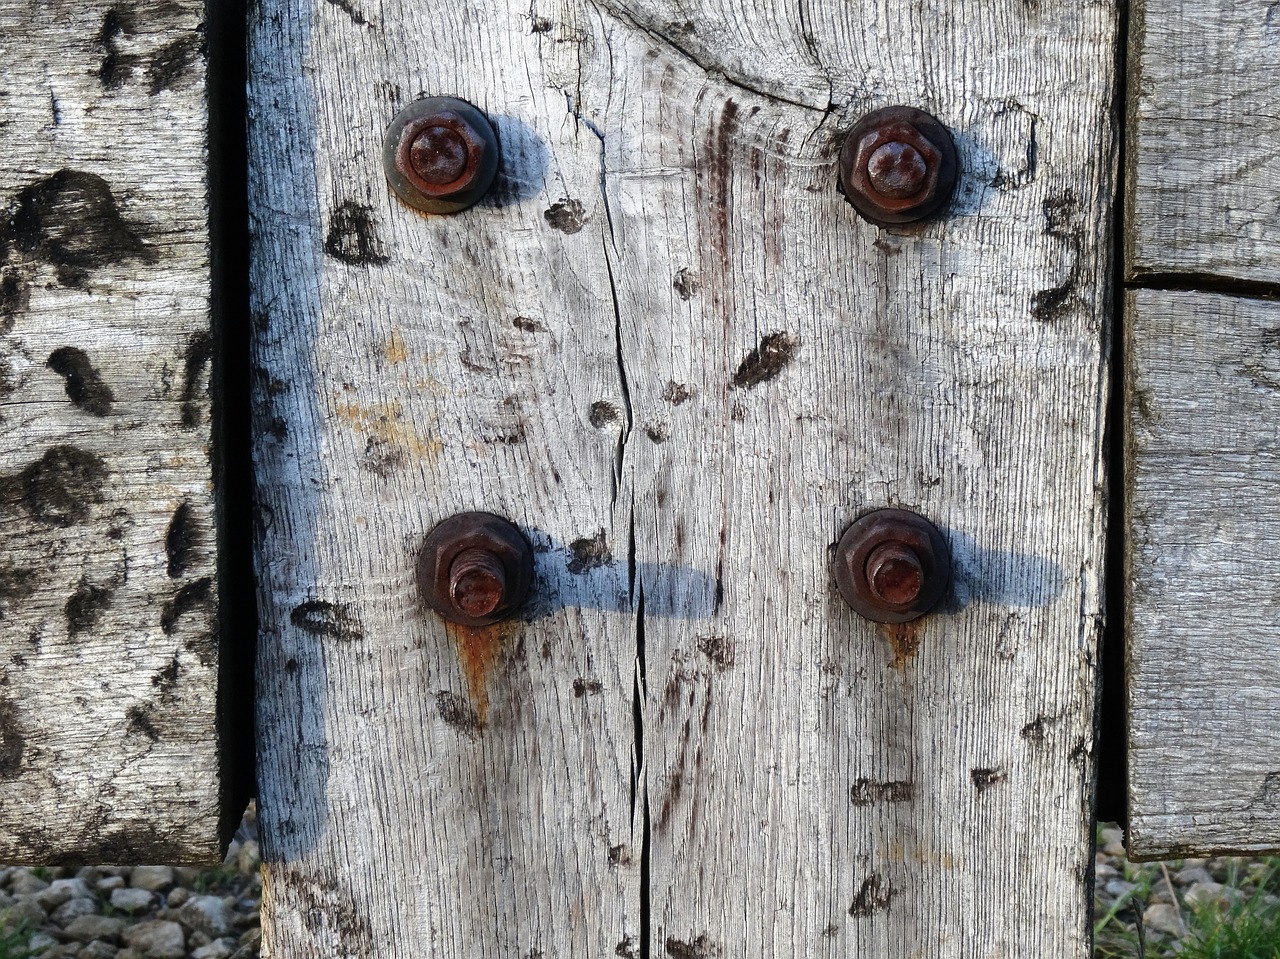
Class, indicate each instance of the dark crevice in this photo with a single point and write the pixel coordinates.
(641, 788)
(1172, 282)
(1110, 732)
(233, 470)
(624, 434)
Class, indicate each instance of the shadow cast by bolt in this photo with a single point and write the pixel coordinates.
(1000, 578)
(522, 172)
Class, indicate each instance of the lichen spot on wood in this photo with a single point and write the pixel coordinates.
(869, 792)
(327, 620)
(767, 361)
(590, 552)
(602, 413)
(84, 385)
(173, 62)
(984, 778)
(12, 742)
(687, 283)
(700, 948)
(874, 895)
(194, 596)
(61, 487)
(458, 714)
(353, 236)
(566, 215)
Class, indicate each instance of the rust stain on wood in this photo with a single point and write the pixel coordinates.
(386, 423)
(904, 639)
(479, 649)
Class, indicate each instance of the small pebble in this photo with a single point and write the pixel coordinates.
(154, 878)
(132, 900)
(1163, 918)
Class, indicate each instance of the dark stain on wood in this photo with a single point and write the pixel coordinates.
(13, 296)
(719, 176)
(687, 283)
(86, 605)
(764, 363)
(60, 488)
(587, 687)
(16, 584)
(566, 215)
(139, 722)
(602, 413)
(458, 714)
(193, 596)
(1268, 794)
(1038, 729)
(71, 220)
(874, 895)
(84, 385)
(166, 680)
(380, 457)
(174, 61)
(1061, 217)
(12, 742)
(868, 792)
(181, 539)
(719, 649)
(115, 66)
(589, 553)
(528, 325)
(353, 236)
(327, 620)
(700, 948)
(196, 360)
(984, 778)
(628, 948)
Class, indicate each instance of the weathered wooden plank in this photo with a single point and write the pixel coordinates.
(109, 653)
(1204, 146)
(1203, 465)
(687, 746)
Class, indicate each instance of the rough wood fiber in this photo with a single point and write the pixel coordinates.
(1202, 398)
(108, 646)
(1203, 158)
(669, 350)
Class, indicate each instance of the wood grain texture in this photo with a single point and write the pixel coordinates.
(1203, 467)
(108, 646)
(670, 351)
(1203, 158)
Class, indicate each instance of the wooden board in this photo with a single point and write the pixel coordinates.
(1203, 617)
(669, 350)
(1204, 145)
(109, 652)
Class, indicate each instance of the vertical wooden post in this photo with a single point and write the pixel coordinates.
(670, 351)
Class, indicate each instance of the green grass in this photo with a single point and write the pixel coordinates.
(13, 942)
(1248, 927)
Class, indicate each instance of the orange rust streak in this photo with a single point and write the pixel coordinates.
(905, 640)
(478, 650)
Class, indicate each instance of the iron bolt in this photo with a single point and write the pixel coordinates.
(892, 566)
(898, 165)
(475, 569)
(440, 154)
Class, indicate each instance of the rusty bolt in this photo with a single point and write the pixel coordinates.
(440, 154)
(892, 566)
(475, 569)
(898, 165)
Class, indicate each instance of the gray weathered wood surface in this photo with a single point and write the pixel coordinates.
(1203, 617)
(669, 350)
(1204, 140)
(108, 648)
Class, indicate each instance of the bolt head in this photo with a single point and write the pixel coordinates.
(898, 165)
(475, 569)
(440, 154)
(892, 566)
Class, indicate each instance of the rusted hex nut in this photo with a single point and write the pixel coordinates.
(475, 569)
(440, 154)
(892, 566)
(898, 165)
